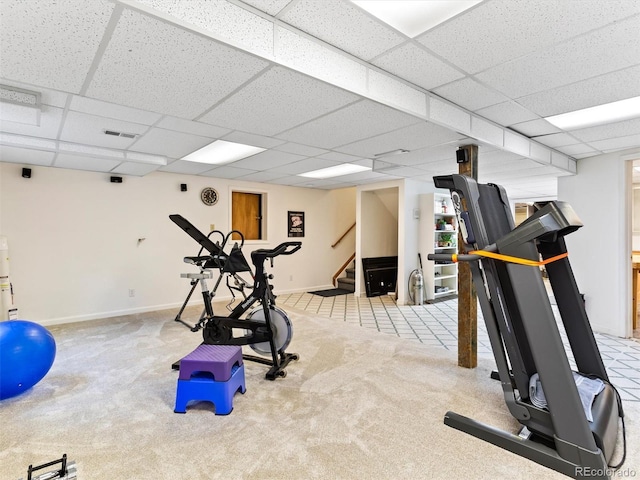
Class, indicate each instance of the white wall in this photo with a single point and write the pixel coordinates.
(410, 226)
(379, 223)
(600, 251)
(75, 254)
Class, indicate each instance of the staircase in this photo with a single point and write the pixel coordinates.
(349, 282)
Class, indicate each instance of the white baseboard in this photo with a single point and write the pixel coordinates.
(152, 308)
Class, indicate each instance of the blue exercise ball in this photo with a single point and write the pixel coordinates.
(27, 351)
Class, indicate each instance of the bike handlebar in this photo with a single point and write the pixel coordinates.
(282, 249)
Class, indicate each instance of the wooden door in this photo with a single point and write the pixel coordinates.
(246, 215)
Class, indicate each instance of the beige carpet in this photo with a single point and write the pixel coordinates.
(358, 405)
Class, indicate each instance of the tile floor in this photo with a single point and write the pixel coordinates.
(436, 325)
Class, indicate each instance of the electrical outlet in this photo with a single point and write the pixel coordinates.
(212, 227)
(291, 278)
(132, 292)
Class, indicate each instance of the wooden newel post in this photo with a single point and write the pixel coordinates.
(467, 298)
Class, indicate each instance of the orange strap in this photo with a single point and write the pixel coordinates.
(520, 261)
(510, 259)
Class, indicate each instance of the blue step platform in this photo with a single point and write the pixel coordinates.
(201, 387)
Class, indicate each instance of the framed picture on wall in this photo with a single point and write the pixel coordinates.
(296, 224)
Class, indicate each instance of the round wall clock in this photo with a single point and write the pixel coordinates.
(209, 196)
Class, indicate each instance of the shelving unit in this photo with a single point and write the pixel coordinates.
(438, 234)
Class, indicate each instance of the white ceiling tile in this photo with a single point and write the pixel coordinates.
(419, 158)
(89, 129)
(577, 149)
(449, 115)
(602, 132)
(586, 155)
(310, 57)
(418, 66)
(82, 162)
(27, 156)
(137, 169)
(260, 177)
(272, 7)
(189, 168)
(338, 157)
(145, 66)
(167, 142)
(360, 177)
(507, 113)
(343, 25)
(224, 20)
(413, 137)
(194, 128)
(401, 171)
(111, 110)
(266, 160)
(291, 181)
(613, 144)
(227, 171)
(300, 149)
(304, 166)
(251, 139)
(556, 140)
(540, 152)
(352, 123)
(277, 100)
(606, 88)
(602, 51)
(50, 119)
(534, 128)
(497, 156)
(561, 161)
(76, 27)
(364, 162)
(470, 94)
(326, 184)
(517, 28)
(516, 143)
(486, 131)
(390, 91)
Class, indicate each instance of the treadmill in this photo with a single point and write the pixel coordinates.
(524, 334)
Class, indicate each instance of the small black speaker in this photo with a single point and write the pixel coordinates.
(462, 155)
(116, 179)
(183, 187)
(26, 173)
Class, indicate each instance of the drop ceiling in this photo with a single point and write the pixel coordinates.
(317, 84)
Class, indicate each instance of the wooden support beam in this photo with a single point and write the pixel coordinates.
(467, 298)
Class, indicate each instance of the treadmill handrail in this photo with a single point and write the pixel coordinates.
(555, 219)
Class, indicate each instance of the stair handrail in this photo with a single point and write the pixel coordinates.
(342, 268)
(344, 235)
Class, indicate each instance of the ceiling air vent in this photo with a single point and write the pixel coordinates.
(120, 134)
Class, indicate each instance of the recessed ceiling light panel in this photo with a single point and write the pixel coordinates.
(337, 171)
(413, 17)
(221, 152)
(598, 115)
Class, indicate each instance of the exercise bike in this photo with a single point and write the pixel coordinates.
(266, 329)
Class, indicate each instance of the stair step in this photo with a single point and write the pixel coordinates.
(347, 284)
(351, 272)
